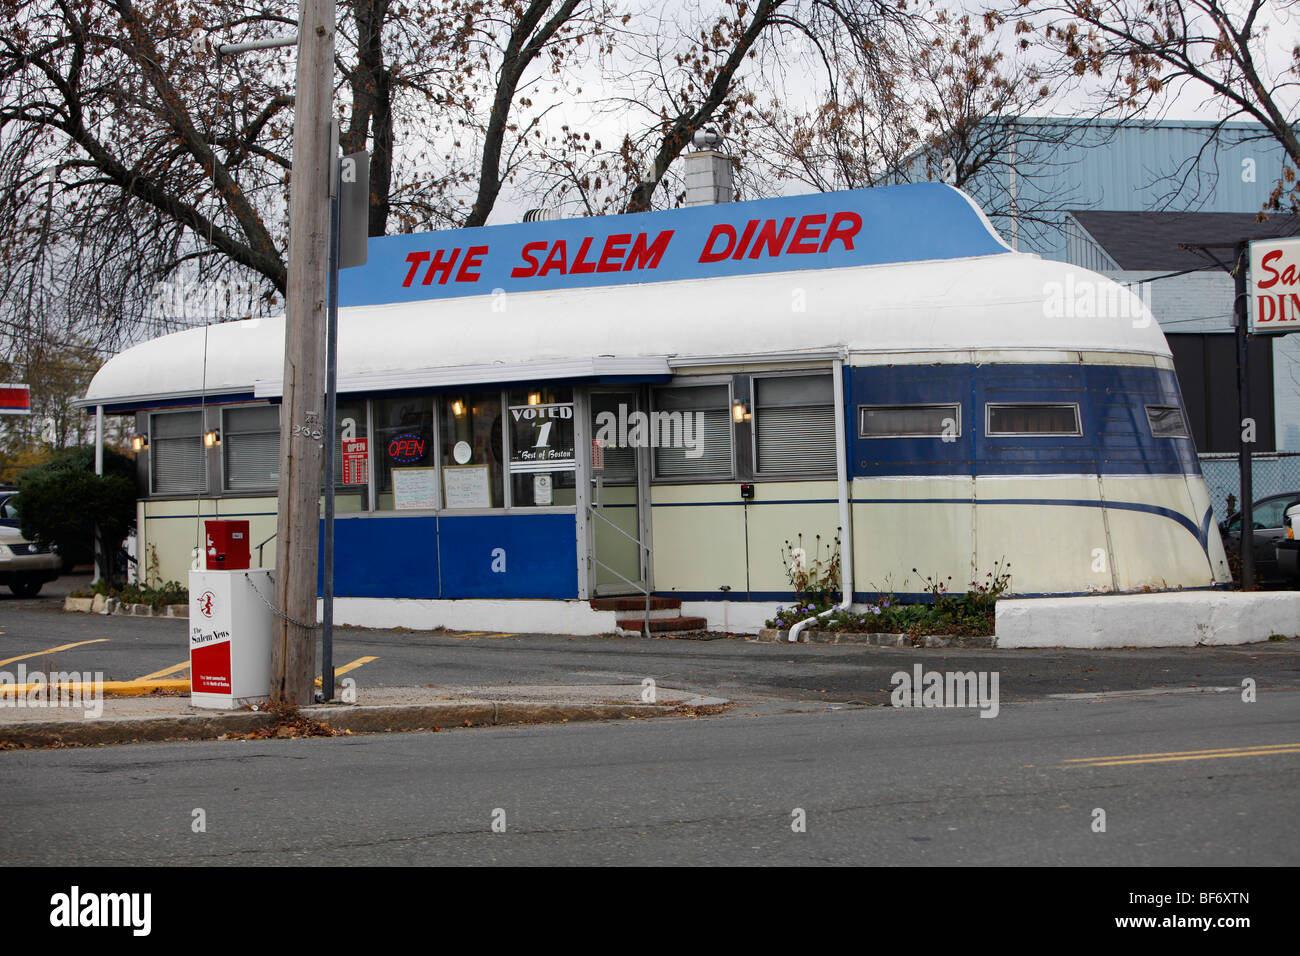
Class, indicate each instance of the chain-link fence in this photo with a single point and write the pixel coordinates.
(1272, 473)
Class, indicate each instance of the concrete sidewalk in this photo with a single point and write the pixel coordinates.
(170, 717)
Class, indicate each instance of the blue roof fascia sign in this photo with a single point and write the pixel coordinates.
(910, 223)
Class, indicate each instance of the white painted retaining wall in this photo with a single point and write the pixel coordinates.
(1179, 619)
(518, 616)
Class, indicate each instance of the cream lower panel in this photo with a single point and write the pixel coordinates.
(1155, 551)
(1199, 494)
(170, 530)
(698, 535)
(783, 511)
(615, 531)
(1052, 548)
(896, 529)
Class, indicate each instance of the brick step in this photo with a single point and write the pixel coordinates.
(665, 624)
(635, 604)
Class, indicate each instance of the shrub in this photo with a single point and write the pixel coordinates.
(64, 501)
(972, 613)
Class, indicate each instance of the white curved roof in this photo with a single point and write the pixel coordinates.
(1008, 301)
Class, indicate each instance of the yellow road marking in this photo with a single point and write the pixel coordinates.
(1183, 753)
(82, 688)
(502, 634)
(61, 647)
(163, 673)
(1258, 751)
(340, 671)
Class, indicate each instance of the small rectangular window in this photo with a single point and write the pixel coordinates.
(794, 424)
(704, 412)
(177, 458)
(1033, 419)
(1167, 421)
(250, 444)
(909, 421)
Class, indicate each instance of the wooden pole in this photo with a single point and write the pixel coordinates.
(293, 651)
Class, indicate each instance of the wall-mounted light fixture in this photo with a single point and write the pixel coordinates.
(534, 398)
(139, 443)
(212, 439)
(458, 408)
(740, 411)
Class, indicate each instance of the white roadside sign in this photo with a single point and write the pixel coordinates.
(1273, 288)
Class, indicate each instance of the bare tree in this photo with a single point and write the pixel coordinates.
(1138, 53)
(130, 155)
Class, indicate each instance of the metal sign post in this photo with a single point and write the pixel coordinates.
(349, 209)
(1244, 460)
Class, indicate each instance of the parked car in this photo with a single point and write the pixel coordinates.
(1287, 548)
(24, 565)
(1269, 530)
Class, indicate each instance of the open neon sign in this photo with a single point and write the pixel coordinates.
(406, 448)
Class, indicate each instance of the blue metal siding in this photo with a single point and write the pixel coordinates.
(540, 557)
(1116, 438)
(451, 556)
(383, 557)
(1099, 166)
(909, 385)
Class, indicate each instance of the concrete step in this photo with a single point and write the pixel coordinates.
(665, 624)
(635, 604)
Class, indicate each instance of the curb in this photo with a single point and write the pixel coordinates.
(101, 605)
(350, 718)
(776, 636)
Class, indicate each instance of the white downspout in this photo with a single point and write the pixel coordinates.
(846, 521)
(99, 470)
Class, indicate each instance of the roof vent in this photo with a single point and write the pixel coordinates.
(541, 215)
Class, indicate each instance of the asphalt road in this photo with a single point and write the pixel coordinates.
(877, 786)
(125, 648)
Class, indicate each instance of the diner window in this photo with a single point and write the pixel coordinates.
(794, 424)
(542, 462)
(1167, 421)
(405, 461)
(909, 421)
(1033, 419)
(351, 457)
(177, 462)
(250, 447)
(694, 432)
(473, 472)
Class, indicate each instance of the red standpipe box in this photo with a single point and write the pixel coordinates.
(227, 545)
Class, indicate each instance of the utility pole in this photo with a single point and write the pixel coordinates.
(302, 419)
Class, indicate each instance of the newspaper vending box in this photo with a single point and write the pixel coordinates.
(230, 638)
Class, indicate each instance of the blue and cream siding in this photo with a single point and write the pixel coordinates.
(1110, 500)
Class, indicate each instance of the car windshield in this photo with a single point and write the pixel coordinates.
(1267, 514)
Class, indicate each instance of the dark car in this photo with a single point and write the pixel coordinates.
(8, 507)
(1269, 530)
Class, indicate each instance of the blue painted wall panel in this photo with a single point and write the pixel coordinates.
(384, 557)
(539, 556)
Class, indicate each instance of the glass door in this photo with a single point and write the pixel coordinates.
(616, 525)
